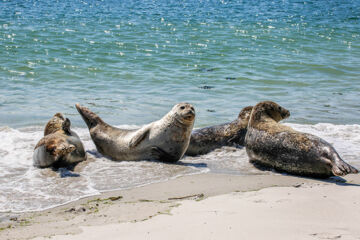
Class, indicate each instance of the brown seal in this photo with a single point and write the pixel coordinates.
(205, 140)
(166, 139)
(60, 146)
(271, 144)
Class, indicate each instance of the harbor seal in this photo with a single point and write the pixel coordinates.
(166, 139)
(271, 144)
(60, 146)
(205, 140)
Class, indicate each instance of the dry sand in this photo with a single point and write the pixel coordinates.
(207, 206)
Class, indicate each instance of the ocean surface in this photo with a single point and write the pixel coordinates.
(131, 61)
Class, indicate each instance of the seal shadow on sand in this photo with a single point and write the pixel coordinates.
(75, 169)
(334, 179)
(66, 171)
(96, 154)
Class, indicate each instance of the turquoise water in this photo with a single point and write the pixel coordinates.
(130, 61)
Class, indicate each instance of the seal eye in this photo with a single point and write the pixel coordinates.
(192, 108)
(280, 108)
(182, 107)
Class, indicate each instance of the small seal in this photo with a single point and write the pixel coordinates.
(205, 140)
(271, 144)
(166, 139)
(60, 146)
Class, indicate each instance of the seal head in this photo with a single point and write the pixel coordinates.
(184, 113)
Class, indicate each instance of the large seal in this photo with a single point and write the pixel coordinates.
(166, 139)
(60, 146)
(205, 140)
(271, 144)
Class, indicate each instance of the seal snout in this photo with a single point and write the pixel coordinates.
(285, 113)
(190, 113)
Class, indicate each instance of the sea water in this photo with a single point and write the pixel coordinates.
(131, 61)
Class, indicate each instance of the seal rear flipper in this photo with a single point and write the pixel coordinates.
(139, 136)
(91, 119)
(163, 156)
(340, 167)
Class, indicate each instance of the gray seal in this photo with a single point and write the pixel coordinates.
(60, 146)
(205, 140)
(166, 139)
(271, 144)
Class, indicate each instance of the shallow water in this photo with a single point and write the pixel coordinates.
(131, 61)
(26, 188)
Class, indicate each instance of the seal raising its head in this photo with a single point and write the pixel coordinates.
(271, 144)
(205, 140)
(60, 146)
(166, 139)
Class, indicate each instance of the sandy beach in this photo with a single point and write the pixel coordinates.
(205, 206)
(131, 62)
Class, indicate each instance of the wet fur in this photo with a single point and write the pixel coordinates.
(165, 139)
(60, 146)
(207, 139)
(271, 144)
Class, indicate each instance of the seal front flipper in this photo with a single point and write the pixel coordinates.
(139, 136)
(161, 155)
(91, 119)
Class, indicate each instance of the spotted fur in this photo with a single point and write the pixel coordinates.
(271, 144)
(59, 144)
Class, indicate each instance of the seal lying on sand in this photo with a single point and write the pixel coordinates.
(205, 140)
(271, 144)
(60, 147)
(166, 139)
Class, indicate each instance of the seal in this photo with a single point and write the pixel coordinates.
(205, 140)
(166, 139)
(271, 144)
(60, 146)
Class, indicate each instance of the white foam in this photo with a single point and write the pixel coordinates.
(26, 188)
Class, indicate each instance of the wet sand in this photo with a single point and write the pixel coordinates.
(205, 206)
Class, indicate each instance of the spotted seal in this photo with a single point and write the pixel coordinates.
(166, 139)
(271, 144)
(205, 140)
(60, 146)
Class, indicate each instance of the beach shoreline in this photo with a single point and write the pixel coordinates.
(150, 201)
